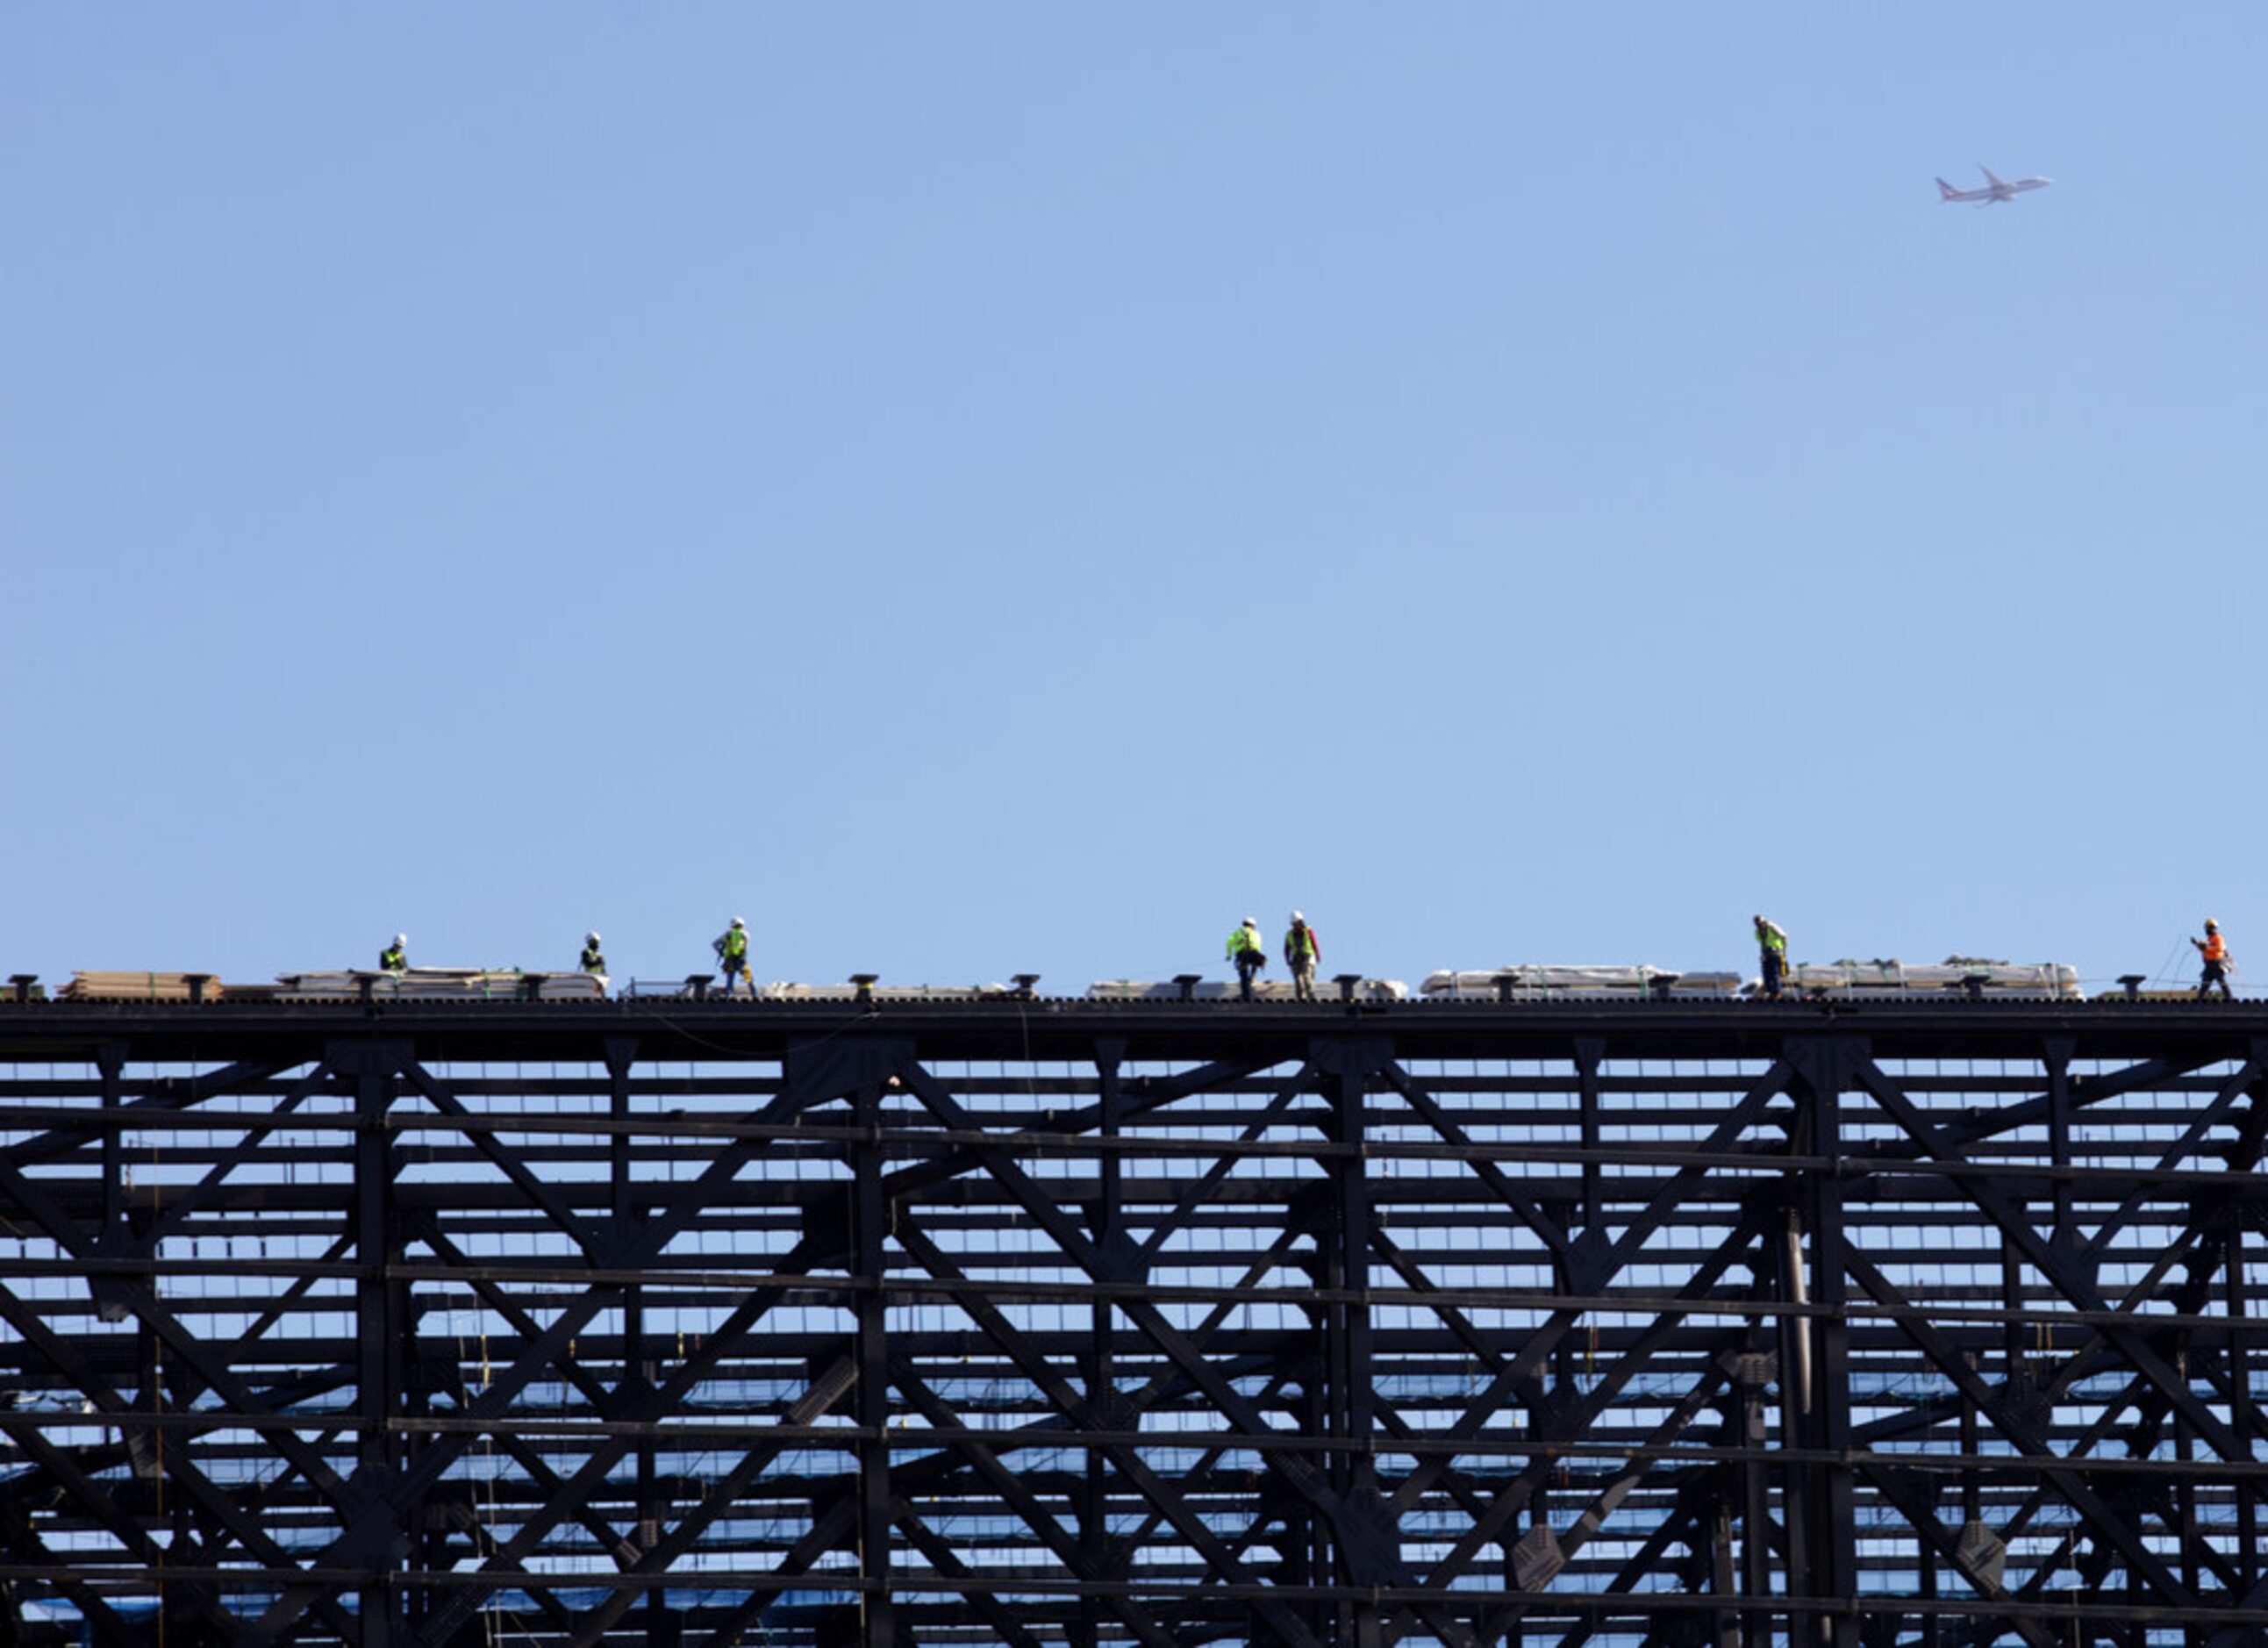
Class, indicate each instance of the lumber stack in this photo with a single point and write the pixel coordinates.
(136, 986)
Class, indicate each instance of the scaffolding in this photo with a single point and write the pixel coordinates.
(1067, 1322)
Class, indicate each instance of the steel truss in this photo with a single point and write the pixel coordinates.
(1056, 1324)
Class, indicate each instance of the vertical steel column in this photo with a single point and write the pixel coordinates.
(110, 1064)
(1821, 1496)
(383, 1322)
(2056, 1052)
(1589, 1051)
(1349, 1416)
(871, 1401)
(639, 1375)
(1717, 1524)
(1756, 1514)
(621, 1052)
(2242, 1409)
(1107, 1225)
(1797, 1378)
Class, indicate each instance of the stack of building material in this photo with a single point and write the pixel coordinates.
(1890, 979)
(136, 986)
(441, 984)
(1219, 990)
(786, 991)
(1529, 981)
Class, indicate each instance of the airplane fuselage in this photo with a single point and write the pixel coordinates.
(1994, 192)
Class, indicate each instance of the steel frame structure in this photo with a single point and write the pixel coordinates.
(1061, 1323)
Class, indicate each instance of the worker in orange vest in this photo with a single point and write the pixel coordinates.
(2214, 948)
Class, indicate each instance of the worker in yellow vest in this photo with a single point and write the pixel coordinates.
(1248, 955)
(2214, 950)
(731, 948)
(395, 958)
(1772, 941)
(1302, 949)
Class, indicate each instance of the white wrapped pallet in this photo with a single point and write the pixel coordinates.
(787, 991)
(440, 984)
(1529, 981)
(1891, 979)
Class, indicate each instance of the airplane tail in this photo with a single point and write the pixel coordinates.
(1945, 191)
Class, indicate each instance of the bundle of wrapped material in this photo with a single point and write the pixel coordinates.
(1529, 981)
(1885, 980)
(785, 991)
(136, 986)
(1220, 990)
(442, 984)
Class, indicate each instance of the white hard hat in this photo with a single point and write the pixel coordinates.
(400, 939)
(590, 938)
(1252, 920)
(737, 922)
(1296, 916)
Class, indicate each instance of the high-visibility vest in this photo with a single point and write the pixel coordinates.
(734, 944)
(1300, 943)
(593, 961)
(2215, 950)
(1241, 940)
(1772, 939)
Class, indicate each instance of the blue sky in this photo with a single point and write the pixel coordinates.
(1003, 487)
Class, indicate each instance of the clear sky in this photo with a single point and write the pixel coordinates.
(1020, 486)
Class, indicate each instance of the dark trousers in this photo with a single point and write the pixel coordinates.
(1775, 965)
(1247, 964)
(2214, 975)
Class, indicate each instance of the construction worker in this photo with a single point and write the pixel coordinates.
(395, 958)
(1247, 954)
(731, 948)
(1301, 951)
(592, 960)
(2214, 950)
(1772, 941)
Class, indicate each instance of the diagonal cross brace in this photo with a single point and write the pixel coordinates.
(2068, 1479)
(1146, 1316)
(1672, 1193)
(1925, 1522)
(1578, 1416)
(1530, 1212)
(1048, 1380)
(193, 1349)
(222, 1507)
(554, 1206)
(2033, 1112)
(2017, 1228)
(175, 1093)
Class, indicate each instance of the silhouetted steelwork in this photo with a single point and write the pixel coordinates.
(1053, 1322)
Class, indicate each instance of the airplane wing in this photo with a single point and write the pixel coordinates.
(1987, 170)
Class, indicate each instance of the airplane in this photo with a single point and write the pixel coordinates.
(1996, 194)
